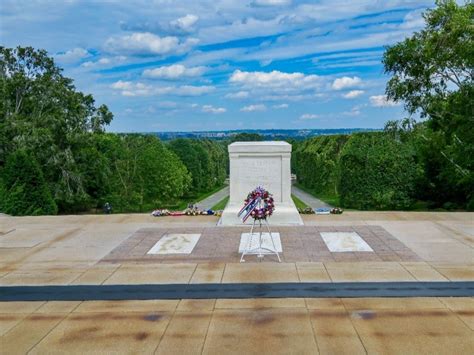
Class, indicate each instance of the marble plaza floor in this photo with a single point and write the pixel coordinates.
(107, 250)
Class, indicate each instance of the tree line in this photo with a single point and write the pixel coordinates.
(55, 156)
(429, 163)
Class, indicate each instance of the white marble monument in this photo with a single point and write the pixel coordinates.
(265, 164)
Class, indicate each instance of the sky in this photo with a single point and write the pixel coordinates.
(193, 65)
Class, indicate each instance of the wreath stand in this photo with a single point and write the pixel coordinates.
(260, 250)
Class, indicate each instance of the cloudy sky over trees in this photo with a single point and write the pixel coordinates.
(222, 64)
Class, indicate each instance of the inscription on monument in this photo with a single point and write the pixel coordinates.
(260, 171)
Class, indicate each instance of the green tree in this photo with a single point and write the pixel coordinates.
(143, 175)
(41, 111)
(377, 172)
(246, 137)
(432, 73)
(24, 190)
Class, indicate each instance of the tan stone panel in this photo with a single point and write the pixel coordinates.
(406, 303)
(334, 332)
(58, 307)
(312, 272)
(429, 331)
(208, 273)
(259, 303)
(463, 307)
(325, 303)
(28, 332)
(367, 271)
(39, 278)
(462, 272)
(185, 333)
(9, 320)
(152, 274)
(20, 307)
(260, 331)
(196, 305)
(127, 306)
(260, 272)
(116, 332)
(423, 271)
(93, 277)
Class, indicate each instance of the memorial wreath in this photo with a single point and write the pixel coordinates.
(258, 205)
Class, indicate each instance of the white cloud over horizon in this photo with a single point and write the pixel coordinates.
(309, 59)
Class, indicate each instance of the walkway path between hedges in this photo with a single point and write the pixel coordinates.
(211, 201)
(310, 200)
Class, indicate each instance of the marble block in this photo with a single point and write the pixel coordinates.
(345, 242)
(266, 242)
(265, 164)
(175, 244)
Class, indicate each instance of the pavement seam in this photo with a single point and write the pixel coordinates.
(353, 326)
(164, 332)
(53, 328)
(113, 273)
(455, 313)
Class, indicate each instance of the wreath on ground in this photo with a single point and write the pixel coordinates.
(259, 204)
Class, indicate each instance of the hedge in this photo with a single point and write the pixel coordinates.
(377, 172)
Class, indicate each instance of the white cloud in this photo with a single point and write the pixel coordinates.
(276, 80)
(353, 94)
(271, 2)
(129, 88)
(413, 20)
(382, 101)
(212, 109)
(190, 90)
(354, 111)
(185, 23)
(281, 106)
(346, 82)
(174, 71)
(238, 95)
(252, 108)
(104, 61)
(309, 116)
(72, 55)
(148, 43)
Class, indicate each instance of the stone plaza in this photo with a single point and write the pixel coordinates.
(112, 250)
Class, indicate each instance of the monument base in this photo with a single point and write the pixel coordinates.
(285, 215)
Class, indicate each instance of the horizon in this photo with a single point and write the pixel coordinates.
(220, 66)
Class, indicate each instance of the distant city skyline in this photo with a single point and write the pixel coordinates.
(222, 65)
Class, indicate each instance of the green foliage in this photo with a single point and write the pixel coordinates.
(205, 160)
(246, 137)
(143, 173)
(316, 163)
(299, 203)
(23, 189)
(377, 172)
(221, 204)
(432, 73)
(41, 111)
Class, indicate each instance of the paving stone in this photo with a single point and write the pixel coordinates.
(185, 333)
(274, 331)
(334, 332)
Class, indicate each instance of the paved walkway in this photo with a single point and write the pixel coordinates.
(310, 200)
(70, 250)
(211, 201)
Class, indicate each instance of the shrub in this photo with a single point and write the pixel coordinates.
(377, 172)
(24, 190)
(316, 163)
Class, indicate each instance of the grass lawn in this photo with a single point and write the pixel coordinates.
(221, 204)
(332, 199)
(299, 203)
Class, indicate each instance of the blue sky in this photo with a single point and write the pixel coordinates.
(168, 65)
